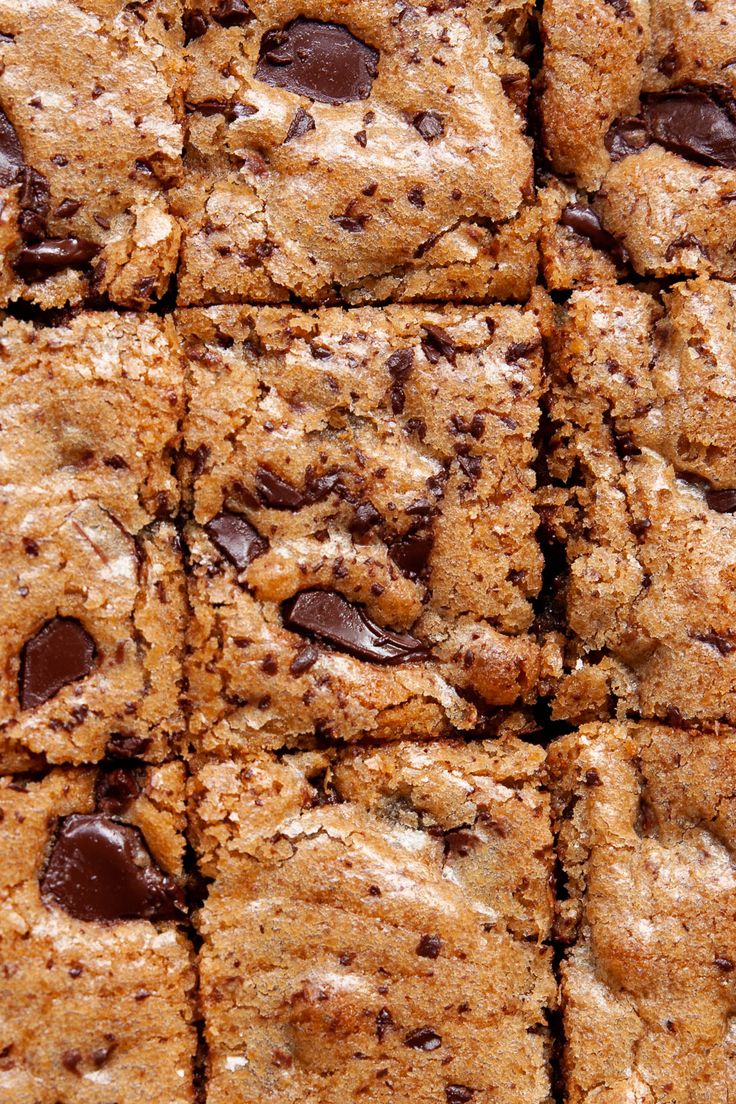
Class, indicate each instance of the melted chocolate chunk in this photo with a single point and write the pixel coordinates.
(195, 25)
(36, 262)
(411, 553)
(116, 790)
(723, 502)
(232, 13)
(458, 1094)
(12, 161)
(331, 617)
(585, 222)
(429, 124)
(626, 136)
(692, 124)
(123, 746)
(437, 343)
(429, 946)
(399, 365)
(321, 60)
(280, 495)
(61, 652)
(424, 1038)
(102, 870)
(300, 125)
(236, 538)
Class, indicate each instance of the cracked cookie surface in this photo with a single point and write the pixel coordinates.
(643, 494)
(90, 144)
(362, 554)
(92, 622)
(376, 923)
(104, 970)
(647, 829)
(638, 113)
(373, 151)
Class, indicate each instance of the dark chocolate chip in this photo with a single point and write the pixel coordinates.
(301, 124)
(622, 8)
(321, 60)
(123, 746)
(384, 1021)
(353, 224)
(429, 946)
(411, 553)
(36, 262)
(437, 343)
(458, 1094)
(116, 790)
(305, 658)
(232, 13)
(626, 136)
(423, 1038)
(724, 964)
(722, 643)
(585, 222)
(331, 617)
(67, 208)
(277, 493)
(12, 161)
(34, 199)
(693, 124)
(102, 870)
(236, 538)
(280, 495)
(399, 365)
(723, 502)
(195, 25)
(429, 124)
(365, 517)
(460, 843)
(62, 651)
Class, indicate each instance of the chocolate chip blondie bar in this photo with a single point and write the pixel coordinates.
(376, 925)
(91, 630)
(90, 144)
(647, 830)
(362, 554)
(638, 112)
(371, 151)
(96, 1000)
(643, 497)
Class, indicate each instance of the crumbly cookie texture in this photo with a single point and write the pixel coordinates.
(96, 1001)
(647, 829)
(90, 146)
(377, 924)
(643, 495)
(91, 633)
(370, 150)
(362, 552)
(638, 110)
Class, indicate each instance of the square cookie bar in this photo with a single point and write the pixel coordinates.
(362, 552)
(643, 494)
(96, 999)
(90, 144)
(638, 112)
(377, 924)
(647, 830)
(366, 151)
(91, 631)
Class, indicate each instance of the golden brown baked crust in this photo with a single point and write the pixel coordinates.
(633, 95)
(381, 455)
(417, 184)
(643, 458)
(376, 924)
(91, 139)
(91, 1010)
(90, 415)
(645, 816)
